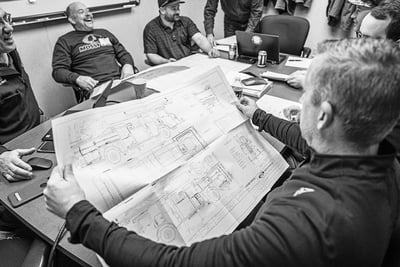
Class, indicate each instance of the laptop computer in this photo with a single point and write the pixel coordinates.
(249, 44)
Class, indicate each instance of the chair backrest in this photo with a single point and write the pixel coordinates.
(292, 31)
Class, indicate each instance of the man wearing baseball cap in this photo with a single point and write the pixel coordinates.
(169, 36)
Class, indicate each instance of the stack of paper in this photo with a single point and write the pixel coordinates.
(258, 90)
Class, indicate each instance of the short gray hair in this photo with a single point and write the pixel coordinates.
(361, 79)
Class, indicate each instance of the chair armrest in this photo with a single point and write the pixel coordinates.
(37, 255)
(305, 52)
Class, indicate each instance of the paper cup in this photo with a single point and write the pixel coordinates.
(139, 86)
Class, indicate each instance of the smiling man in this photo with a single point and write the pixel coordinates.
(19, 110)
(86, 56)
(169, 36)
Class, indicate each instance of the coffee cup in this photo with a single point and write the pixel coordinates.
(139, 86)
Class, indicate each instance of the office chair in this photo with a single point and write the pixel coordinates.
(292, 32)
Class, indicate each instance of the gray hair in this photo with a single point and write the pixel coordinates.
(361, 79)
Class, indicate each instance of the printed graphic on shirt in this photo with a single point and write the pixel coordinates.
(303, 190)
(93, 41)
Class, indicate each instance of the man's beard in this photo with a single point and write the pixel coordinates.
(172, 18)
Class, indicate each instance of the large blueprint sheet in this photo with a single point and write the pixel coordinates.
(209, 195)
(118, 149)
(177, 167)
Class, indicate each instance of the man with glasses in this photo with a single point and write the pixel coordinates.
(86, 57)
(383, 21)
(19, 110)
(169, 36)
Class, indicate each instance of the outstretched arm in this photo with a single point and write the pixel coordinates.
(285, 131)
(205, 45)
(12, 167)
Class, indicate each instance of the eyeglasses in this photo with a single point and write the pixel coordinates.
(5, 19)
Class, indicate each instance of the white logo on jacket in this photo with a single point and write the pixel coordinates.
(303, 190)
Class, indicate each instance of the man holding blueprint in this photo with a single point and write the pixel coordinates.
(330, 212)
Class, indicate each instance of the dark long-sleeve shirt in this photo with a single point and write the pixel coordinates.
(332, 211)
(95, 54)
(242, 11)
(19, 111)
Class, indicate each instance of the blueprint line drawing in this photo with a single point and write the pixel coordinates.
(209, 195)
(177, 167)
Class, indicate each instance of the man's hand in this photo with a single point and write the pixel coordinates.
(12, 167)
(296, 79)
(126, 71)
(292, 113)
(62, 191)
(247, 106)
(86, 83)
(210, 38)
(213, 52)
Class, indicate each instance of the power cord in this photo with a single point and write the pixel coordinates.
(60, 235)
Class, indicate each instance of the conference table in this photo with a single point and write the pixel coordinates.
(45, 224)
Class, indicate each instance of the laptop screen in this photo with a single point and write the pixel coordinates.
(249, 44)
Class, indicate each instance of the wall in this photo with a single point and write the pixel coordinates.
(35, 43)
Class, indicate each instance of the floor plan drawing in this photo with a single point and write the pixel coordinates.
(176, 167)
(210, 194)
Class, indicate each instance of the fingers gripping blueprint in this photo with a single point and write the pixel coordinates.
(184, 165)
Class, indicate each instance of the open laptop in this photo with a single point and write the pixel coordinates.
(249, 44)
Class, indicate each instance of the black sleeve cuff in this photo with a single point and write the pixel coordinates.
(76, 216)
(260, 118)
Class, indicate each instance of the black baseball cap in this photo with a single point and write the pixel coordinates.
(163, 3)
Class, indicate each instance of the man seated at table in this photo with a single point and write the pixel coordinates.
(340, 208)
(86, 56)
(19, 110)
(169, 36)
(383, 21)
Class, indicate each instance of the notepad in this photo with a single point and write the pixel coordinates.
(298, 62)
(256, 90)
(274, 76)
